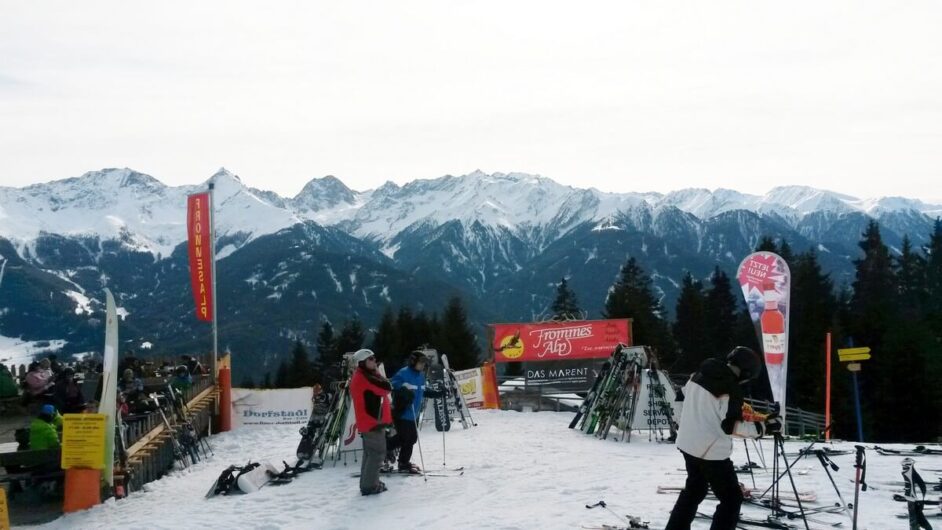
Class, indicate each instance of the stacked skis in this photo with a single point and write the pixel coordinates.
(629, 393)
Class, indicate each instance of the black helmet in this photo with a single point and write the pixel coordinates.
(415, 357)
(747, 361)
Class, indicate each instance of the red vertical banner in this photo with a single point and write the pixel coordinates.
(200, 251)
(766, 286)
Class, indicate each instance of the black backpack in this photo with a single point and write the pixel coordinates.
(402, 400)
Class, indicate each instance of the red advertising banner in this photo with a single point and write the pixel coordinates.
(198, 234)
(766, 286)
(555, 341)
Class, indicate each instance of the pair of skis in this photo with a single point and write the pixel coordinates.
(455, 472)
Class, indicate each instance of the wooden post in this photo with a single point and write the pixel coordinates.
(224, 380)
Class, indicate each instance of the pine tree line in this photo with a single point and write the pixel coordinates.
(894, 306)
(397, 334)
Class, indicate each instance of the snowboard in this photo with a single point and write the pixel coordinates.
(253, 480)
(436, 376)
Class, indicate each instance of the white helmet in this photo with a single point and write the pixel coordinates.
(362, 355)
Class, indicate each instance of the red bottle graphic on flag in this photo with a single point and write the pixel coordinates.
(772, 323)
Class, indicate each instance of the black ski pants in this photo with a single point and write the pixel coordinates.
(718, 475)
(404, 440)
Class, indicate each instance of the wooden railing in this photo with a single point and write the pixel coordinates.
(150, 448)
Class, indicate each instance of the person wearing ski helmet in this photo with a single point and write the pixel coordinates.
(711, 417)
(43, 433)
(409, 390)
(370, 393)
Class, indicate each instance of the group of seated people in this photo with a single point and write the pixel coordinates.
(55, 390)
(46, 382)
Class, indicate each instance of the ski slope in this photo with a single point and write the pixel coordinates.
(522, 471)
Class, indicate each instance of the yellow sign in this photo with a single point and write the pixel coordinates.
(4, 511)
(854, 354)
(83, 441)
(858, 357)
(853, 351)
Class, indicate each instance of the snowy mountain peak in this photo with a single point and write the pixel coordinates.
(114, 202)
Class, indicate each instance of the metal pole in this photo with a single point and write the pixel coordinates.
(860, 436)
(827, 386)
(212, 250)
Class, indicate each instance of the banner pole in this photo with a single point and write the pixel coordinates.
(827, 386)
(212, 250)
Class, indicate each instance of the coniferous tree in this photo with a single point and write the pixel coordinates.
(247, 382)
(631, 297)
(387, 342)
(785, 251)
(328, 358)
(873, 312)
(266, 382)
(351, 336)
(720, 315)
(933, 253)
(456, 339)
(913, 286)
(281, 376)
(422, 329)
(767, 244)
(406, 324)
(812, 314)
(565, 306)
(300, 370)
(690, 327)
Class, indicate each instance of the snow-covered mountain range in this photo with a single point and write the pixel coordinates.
(500, 241)
(148, 215)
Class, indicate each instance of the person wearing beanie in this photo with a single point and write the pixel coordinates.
(711, 416)
(42, 431)
(409, 389)
(371, 407)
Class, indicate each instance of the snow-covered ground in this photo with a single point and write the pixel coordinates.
(19, 351)
(522, 471)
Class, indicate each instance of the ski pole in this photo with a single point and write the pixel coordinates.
(630, 522)
(749, 463)
(418, 442)
(781, 442)
(859, 464)
(829, 465)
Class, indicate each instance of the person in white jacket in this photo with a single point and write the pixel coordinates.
(711, 416)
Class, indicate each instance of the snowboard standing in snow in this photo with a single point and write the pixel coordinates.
(436, 378)
(454, 394)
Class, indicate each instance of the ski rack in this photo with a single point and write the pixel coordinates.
(148, 451)
(629, 384)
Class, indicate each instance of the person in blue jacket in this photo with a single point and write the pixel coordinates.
(409, 389)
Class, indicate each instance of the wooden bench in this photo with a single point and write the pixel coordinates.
(27, 469)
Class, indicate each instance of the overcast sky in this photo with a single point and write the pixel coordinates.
(623, 96)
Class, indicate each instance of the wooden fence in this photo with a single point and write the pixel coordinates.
(150, 447)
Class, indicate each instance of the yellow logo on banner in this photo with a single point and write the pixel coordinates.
(511, 346)
(83, 441)
(4, 511)
(468, 388)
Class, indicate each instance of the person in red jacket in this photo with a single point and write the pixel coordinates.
(370, 392)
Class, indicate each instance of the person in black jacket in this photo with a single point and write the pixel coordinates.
(712, 415)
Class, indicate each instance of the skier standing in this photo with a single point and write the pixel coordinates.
(712, 415)
(409, 390)
(370, 393)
